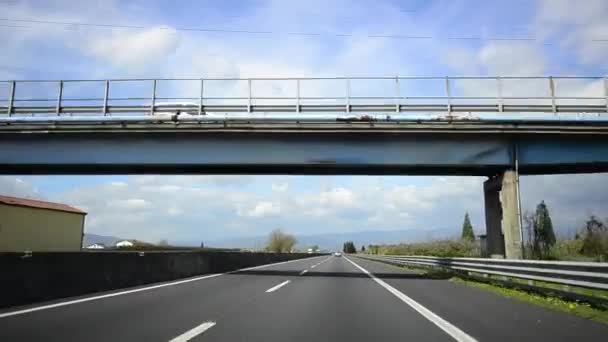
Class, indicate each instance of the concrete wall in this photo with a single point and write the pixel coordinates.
(43, 230)
(47, 276)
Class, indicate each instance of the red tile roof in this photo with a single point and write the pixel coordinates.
(24, 202)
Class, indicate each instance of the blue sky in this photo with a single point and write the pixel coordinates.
(566, 42)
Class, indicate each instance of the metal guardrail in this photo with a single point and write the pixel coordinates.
(150, 99)
(581, 274)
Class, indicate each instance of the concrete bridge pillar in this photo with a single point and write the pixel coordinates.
(503, 229)
(495, 243)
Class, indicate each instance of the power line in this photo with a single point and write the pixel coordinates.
(260, 32)
(19, 26)
(72, 23)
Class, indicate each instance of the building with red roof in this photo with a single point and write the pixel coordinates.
(39, 226)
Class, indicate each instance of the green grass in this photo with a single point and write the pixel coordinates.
(583, 310)
(575, 289)
(429, 273)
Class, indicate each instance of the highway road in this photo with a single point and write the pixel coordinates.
(322, 298)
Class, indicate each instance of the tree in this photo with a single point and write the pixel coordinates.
(349, 247)
(544, 236)
(528, 219)
(280, 242)
(373, 249)
(163, 243)
(363, 249)
(596, 238)
(202, 244)
(467, 229)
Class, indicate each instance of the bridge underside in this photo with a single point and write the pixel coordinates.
(363, 148)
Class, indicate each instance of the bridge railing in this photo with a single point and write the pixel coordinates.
(98, 99)
(580, 274)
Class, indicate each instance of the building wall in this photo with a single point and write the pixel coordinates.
(41, 230)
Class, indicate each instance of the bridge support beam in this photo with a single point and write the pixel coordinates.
(511, 227)
(503, 231)
(495, 243)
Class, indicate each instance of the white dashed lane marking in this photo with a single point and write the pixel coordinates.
(274, 288)
(192, 333)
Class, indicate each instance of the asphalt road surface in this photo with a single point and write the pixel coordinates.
(322, 298)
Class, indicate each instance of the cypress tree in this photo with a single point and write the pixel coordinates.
(544, 236)
(467, 229)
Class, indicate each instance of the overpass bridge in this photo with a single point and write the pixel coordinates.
(380, 126)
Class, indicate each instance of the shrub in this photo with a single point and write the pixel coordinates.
(595, 243)
(443, 248)
(280, 242)
(566, 250)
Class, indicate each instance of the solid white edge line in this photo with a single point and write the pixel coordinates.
(88, 299)
(446, 326)
(115, 294)
(274, 288)
(192, 333)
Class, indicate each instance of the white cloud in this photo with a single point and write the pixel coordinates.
(461, 59)
(15, 186)
(135, 49)
(439, 203)
(199, 56)
(130, 204)
(523, 59)
(264, 209)
(512, 59)
(576, 25)
(163, 183)
(501, 59)
(339, 197)
(168, 53)
(174, 211)
(280, 187)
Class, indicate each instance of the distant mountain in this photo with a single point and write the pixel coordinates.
(108, 241)
(334, 241)
(256, 242)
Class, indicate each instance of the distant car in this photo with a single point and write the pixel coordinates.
(338, 254)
